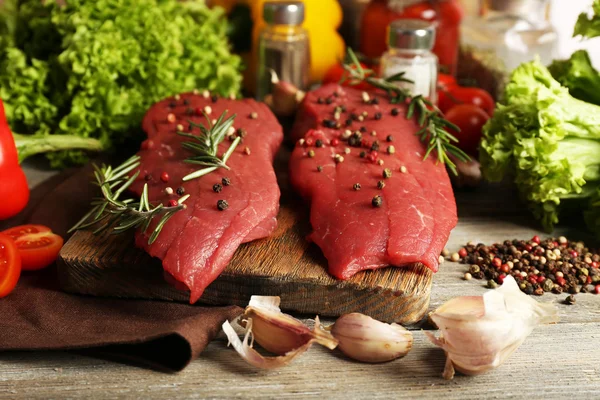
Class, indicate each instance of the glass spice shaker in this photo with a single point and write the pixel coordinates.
(283, 47)
(409, 50)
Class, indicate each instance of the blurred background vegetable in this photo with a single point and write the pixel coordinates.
(589, 26)
(92, 68)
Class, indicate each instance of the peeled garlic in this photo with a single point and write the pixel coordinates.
(365, 339)
(478, 333)
(276, 332)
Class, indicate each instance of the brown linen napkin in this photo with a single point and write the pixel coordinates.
(38, 316)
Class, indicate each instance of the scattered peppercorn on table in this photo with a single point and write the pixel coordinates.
(554, 362)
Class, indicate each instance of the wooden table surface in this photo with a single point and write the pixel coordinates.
(555, 362)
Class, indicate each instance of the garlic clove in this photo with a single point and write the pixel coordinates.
(284, 98)
(480, 333)
(276, 332)
(365, 339)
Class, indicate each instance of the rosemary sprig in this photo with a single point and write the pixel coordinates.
(110, 212)
(205, 145)
(435, 128)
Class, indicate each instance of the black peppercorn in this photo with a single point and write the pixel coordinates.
(380, 185)
(319, 143)
(395, 112)
(389, 138)
(180, 191)
(356, 186)
(217, 187)
(377, 201)
(320, 100)
(348, 122)
(375, 100)
(225, 181)
(375, 146)
(363, 154)
(329, 123)
(387, 173)
(222, 205)
(186, 102)
(172, 104)
(319, 168)
(214, 98)
(363, 129)
(328, 101)
(377, 115)
(148, 177)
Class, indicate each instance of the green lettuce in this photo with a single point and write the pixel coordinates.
(91, 69)
(579, 76)
(546, 140)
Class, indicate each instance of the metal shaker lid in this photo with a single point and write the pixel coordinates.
(411, 34)
(283, 12)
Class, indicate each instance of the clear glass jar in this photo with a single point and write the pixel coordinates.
(410, 42)
(513, 31)
(283, 47)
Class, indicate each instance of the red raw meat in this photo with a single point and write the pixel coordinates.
(418, 210)
(198, 242)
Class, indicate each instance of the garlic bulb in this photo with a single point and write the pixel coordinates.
(365, 339)
(478, 333)
(276, 332)
(285, 97)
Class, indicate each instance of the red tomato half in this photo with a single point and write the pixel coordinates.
(37, 245)
(10, 265)
(456, 95)
(470, 119)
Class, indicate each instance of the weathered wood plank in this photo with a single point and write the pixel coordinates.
(555, 362)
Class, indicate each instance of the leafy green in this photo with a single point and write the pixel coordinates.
(579, 76)
(546, 140)
(586, 26)
(92, 68)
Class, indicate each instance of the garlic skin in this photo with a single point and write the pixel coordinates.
(478, 333)
(365, 339)
(276, 332)
(281, 333)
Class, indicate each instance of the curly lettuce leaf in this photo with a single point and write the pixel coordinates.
(546, 140)
(97, 66)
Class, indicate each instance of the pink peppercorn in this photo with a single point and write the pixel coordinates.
(496, 262)
(528, 247)
(597, 289)
(148, 144)
(164, 177)
(335, 142)
(541, 279)
(501, 278)
(532, 279)
(172, 203)
(594, 264)
(309, 142)
(462, 252)
(536, 239)
(574, 254)
(561, 281)
(588, 280)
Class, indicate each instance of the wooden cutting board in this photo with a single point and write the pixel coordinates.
(284, 264)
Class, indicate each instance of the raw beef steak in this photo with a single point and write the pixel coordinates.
(374, 201)
(197, 243)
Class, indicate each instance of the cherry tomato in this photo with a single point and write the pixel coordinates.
(10, 265)
(470, 119)
(445, 81)
(455, 95)
(37, 245)
(335, 74)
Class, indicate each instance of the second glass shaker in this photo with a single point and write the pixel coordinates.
(409, 50)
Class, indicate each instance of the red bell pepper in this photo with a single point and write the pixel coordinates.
(14, 191)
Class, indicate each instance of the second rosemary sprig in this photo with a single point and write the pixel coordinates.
(435, 129)
(110, 212)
